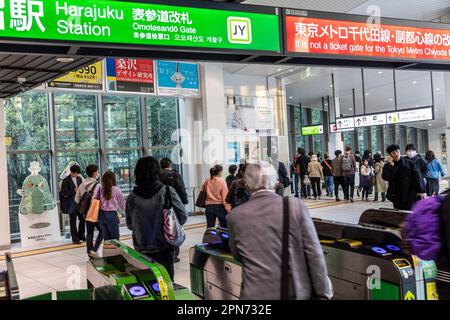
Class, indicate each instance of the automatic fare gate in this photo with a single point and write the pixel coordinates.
(425, 271)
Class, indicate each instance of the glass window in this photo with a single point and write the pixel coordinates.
(83, 158)
(411, 136)
(122, 121)
(376, 138)
(316, 116)
(389, 132)
(76, 121)
(26, 122)
(318, 144)
(413, 89)
(162, 120)
(363, 139)
(122, 163)
(348, 91)
(18, 165)
(379, 90)
(348, 139)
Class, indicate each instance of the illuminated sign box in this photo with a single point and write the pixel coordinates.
(312, 35)
(312, 130)
(139, 23)
(413, 115)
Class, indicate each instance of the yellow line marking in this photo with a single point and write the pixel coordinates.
(64, 247)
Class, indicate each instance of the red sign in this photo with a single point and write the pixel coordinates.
(134, 70)
(321, 36)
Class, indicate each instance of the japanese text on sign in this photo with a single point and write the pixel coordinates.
(311, 35)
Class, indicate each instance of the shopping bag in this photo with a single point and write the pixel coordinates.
(92, 215)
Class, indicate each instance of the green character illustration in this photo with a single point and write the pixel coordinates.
(36, 196)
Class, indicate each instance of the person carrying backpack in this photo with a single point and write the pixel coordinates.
(238, 192)
(427, 231)
(83, 199)
(348, 171)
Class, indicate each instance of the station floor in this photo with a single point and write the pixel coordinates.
(63, 268)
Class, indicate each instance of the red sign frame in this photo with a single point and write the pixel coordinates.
(307, 35)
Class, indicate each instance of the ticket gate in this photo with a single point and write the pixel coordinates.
(215, 274)
(9, 290)
(136, 276)
(368, 263)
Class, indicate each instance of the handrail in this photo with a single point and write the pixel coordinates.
(11, 279)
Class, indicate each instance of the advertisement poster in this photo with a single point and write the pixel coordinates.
(233, 152)
(249, 115)
(38, 215)
(350, 38)
(130, 75)
(86, 78)
(268, 147)
(177, 78)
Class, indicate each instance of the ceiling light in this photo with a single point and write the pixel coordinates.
(380, 72)
(430, 124)
(65, 59)
(367, 93)
(350, 109)
(438, 89)
(414, 82)
(292, 70)
(291, 97)
(279, 69)
(331, 86)
(391, 99)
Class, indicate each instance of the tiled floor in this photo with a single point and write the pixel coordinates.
(64, 270)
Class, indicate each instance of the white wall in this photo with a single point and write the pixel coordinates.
(5, 237)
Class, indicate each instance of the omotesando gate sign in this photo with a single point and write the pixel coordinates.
(337, 37)
(138, 23)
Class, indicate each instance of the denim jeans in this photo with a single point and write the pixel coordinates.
(109, 223)
(329, 184)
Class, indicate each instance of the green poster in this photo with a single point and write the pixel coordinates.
(135, 23)
(312, 130)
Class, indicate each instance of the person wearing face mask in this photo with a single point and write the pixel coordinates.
(405, 182)
(417, 160)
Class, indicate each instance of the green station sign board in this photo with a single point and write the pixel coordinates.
(137, 23)
(312, 130)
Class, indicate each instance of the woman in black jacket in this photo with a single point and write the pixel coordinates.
(144, 210)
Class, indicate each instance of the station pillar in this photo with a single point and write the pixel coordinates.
(5, 233)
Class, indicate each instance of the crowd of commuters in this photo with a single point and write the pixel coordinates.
(143, 208)
(252, 197)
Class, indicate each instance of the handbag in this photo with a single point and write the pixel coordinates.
(94, 208)
(306, 181)
(173, 230)
(201, 199)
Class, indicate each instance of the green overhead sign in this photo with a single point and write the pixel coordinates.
(312, 130)
(136, 23)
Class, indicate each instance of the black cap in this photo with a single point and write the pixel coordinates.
(411, 147)
(392, 148)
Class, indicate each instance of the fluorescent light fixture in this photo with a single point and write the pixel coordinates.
(65, 59)
(291, 97)
(380, 72)
(414, 82)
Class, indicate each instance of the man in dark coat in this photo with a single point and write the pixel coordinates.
(419, 162)
(172, 178)
(301, 170)
(69, 188)
(405, 183)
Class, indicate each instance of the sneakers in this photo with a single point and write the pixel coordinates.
(92, 254)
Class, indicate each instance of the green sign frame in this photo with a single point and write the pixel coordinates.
(312, 130)
(142, 24)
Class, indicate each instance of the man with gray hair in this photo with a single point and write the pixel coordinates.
(256, 234)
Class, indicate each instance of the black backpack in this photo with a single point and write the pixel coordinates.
(85, 201)
(240, 196)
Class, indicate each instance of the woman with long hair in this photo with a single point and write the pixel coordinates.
(216, 194)
(111, 201)
(145, 206)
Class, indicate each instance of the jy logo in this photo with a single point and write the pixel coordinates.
(239, 30)
(23, 14)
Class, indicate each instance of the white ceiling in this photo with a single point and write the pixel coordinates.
(402, 9)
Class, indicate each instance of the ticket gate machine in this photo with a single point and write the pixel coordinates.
(134, 275)
(9, 289)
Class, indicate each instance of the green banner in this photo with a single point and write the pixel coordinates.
(135, 23)
(312, 130)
